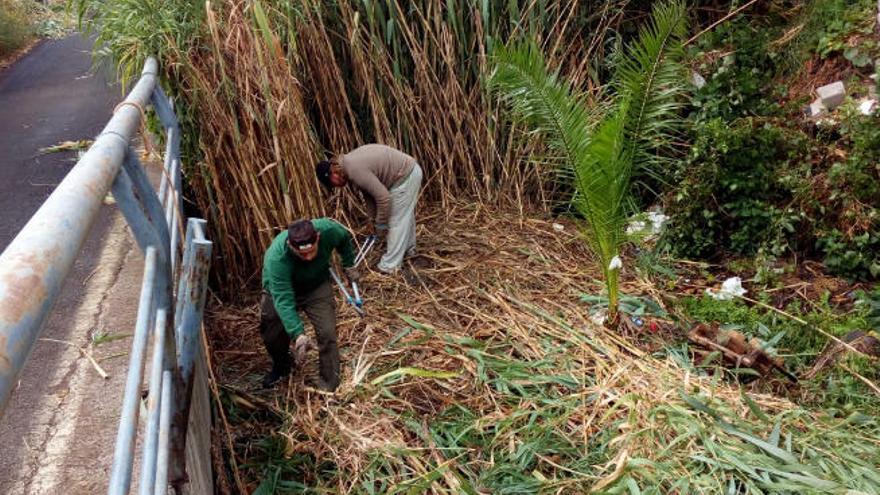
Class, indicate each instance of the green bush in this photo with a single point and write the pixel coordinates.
(849, 236)
(751, 186)
(738, 67)
(15, 26)
(731, 194)
(856, 257)
(755, 181)
(831, 23)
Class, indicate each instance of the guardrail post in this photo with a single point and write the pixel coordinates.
(172, 213)
(162, 106)
(144, 228)
(143, 190)
(151, 433)
(120, 474)
(162, 459)
(191, 294)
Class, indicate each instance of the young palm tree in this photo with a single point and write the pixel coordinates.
(602, 142)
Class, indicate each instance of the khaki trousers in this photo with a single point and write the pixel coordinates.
(402, 224)
(320, 307)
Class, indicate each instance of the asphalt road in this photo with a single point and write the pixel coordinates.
(47, 97)
(58, 430)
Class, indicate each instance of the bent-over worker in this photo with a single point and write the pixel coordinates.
(390, 181)
(296, 276)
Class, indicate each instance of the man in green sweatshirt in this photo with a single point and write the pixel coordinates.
(296, 276)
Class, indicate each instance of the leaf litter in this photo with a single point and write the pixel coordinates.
(481, 372)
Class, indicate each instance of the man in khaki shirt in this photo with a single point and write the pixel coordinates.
(390, 181)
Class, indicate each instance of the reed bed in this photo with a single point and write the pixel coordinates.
(479, 371)
(268, 87)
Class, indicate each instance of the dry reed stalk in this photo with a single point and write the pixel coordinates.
(273, 91)
(257, 143)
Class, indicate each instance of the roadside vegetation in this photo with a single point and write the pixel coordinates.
(15, 26)
(760, 180)
(553, 135)
(22, 21)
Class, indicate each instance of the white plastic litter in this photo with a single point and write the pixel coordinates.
(598, 318)
(636, 226)
(730, 288)
(657, 219)
(558, 227)
(867, 106)
(698, 80)
(615, 264)
(652, 225)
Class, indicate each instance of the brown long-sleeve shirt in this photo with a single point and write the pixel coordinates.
(376, 168)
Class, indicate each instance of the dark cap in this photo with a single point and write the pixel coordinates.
(301, 232)
(322, 170)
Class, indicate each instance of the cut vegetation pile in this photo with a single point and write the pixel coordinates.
(481, 372)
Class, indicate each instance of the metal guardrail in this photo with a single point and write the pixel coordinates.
(34, 266)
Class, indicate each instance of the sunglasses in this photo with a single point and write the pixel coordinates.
(306, 246)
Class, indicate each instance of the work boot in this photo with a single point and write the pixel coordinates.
(323, 385)
(277, 373)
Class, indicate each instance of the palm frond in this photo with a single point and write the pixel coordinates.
(650, 76)
(602, 182)
(602, 153)
(545, 102)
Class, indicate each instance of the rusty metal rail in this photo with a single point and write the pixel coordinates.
(34, 266)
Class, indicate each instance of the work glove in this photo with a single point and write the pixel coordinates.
(353, 275)
(301, 349)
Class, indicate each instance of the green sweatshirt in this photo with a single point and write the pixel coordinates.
(285, 274)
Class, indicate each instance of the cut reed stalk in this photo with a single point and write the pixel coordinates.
(483, 375)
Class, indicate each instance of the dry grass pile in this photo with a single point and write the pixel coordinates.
(480, 372)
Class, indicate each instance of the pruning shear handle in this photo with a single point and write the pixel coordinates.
(357, 295)
(356, 303)
(368, 245)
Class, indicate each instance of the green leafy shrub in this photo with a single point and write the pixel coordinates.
(15, 26)
(855, 257)
(871, 301)
(738, 68)
(730, 194)
(831, 23)
(733, 191)
(751, 186)
(847, 197)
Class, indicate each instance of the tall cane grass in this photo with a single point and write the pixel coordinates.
(270, 86)
(602, 142)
